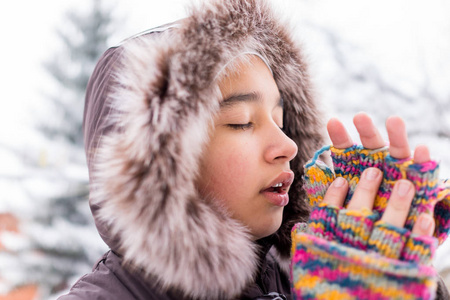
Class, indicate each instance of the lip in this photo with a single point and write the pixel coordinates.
(282, 198)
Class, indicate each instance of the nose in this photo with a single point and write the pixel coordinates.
(279, 147)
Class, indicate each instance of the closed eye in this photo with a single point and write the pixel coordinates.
(241, 126)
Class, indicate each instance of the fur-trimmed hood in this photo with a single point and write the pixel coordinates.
(148, 107)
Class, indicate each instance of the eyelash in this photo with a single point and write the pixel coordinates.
(243, 126)
(240, 126)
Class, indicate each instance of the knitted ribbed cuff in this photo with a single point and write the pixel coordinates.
(324, 269)
(360, 230)
(419, 249)
(354, 227)
(322, 221)
(388, 240)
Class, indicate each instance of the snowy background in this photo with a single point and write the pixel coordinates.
(383, 57)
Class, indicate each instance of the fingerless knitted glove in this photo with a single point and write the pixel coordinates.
(345, 254)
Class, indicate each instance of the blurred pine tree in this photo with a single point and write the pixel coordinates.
(84, 38)
(57, 241)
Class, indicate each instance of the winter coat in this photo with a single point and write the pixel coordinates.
(148, 106)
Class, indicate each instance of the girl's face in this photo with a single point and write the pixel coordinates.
(245, 165)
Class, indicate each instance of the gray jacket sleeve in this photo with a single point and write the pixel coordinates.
(442, 291)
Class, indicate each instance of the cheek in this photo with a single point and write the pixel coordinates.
(229, 171)
(234, 171)
(237, 163)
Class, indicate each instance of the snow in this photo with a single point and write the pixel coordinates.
(388, 57)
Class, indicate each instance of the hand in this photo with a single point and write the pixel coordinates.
(400, 201)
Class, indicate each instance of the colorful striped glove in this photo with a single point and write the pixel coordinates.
(344, 254)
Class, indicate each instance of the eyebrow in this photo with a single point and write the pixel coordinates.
(249, 97)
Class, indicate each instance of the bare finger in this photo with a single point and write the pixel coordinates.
(337, 192)
(369, 134)
(421, 154)
(366, 190)
(424, 225)
(338, 134)
(399, 203)
(398, 139)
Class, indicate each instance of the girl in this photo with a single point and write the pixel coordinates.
(196, 134)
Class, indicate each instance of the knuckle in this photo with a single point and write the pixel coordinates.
(335, 195)
(399, 206)
(366, 187)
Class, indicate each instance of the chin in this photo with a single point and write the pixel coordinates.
(267, 228)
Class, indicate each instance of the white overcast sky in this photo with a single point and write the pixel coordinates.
(400, 35)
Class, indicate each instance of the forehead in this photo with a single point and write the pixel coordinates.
(248, 79)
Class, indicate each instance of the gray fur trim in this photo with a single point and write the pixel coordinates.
(145, 169)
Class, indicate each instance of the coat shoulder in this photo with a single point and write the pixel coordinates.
(109, 280)
(101, 284)
(442, 291)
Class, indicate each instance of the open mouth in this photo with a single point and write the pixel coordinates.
(277, 189)
(277, 192)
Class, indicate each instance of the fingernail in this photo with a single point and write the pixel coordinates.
(339, 182)
(371, 174)
(403, 188)
(425, 223)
